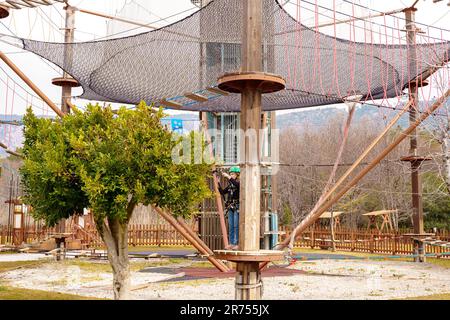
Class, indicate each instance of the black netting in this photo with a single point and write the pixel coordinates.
(190, 55)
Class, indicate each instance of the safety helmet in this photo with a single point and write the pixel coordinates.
(235, 170)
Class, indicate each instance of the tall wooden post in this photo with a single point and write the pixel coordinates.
(66, 82)
(413, 156)
(249, 277)
(251, 82)
(69, 36)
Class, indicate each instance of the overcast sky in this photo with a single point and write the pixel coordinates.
(44, 23)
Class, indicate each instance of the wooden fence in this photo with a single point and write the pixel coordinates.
(138, 235)
(363, 240)
(360, 240)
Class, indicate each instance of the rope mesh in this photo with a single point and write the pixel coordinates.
(191, 54)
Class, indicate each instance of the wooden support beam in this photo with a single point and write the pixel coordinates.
(217, 194)
(14, 153)
(20, 4)
(310, 219)
(196, 237)
(71, 106)
(196, 97)
(173, 222)
(171, 104)
(218, 91)
(31, 84)
(369, 149)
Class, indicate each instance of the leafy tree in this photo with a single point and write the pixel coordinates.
(110, 163)
(436, 202)
(287, 216)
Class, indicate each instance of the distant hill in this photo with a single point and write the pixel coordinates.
(316, 117)
(12, 135)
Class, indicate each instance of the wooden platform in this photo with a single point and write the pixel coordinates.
(418, 236)
(265, 82)
(249, 256)
(65, 82)
(195, 96)
(218, 91)
(4, 12)
(415, 159)
(171, 104)
(419, 82)
(327, 215)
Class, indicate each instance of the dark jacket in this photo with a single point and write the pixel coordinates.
(231, 191)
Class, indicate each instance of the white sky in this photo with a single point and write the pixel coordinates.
(43, 24)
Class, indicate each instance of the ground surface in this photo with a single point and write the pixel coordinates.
(330, 278)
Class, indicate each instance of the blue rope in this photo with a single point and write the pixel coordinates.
(299, 257)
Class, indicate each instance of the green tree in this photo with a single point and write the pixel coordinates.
(436, 202)
(287, 217)
(110, 163)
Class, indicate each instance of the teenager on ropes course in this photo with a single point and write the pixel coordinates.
(231, 191)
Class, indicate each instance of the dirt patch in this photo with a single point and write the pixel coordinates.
(325, 279)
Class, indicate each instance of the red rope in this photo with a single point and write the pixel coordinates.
(297, 47)
(353, 60)
(12, 111)
(301, 43)
(317, 49)
(336, 77)
(333, 172)
(286, 55)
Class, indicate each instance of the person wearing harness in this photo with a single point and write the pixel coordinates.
(231, 191)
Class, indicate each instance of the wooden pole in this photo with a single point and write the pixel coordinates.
(31, 84)
(173, 222)
(69, 36)
(199, 241)
(333, 244)
(416, 183)
(248, 276)
(309, 220)
(274, 177)
(217, 195)
(66, 90)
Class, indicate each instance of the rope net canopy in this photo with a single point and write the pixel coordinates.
(191, 54)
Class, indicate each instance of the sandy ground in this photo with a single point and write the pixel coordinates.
(324, 279)
(22, 257)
